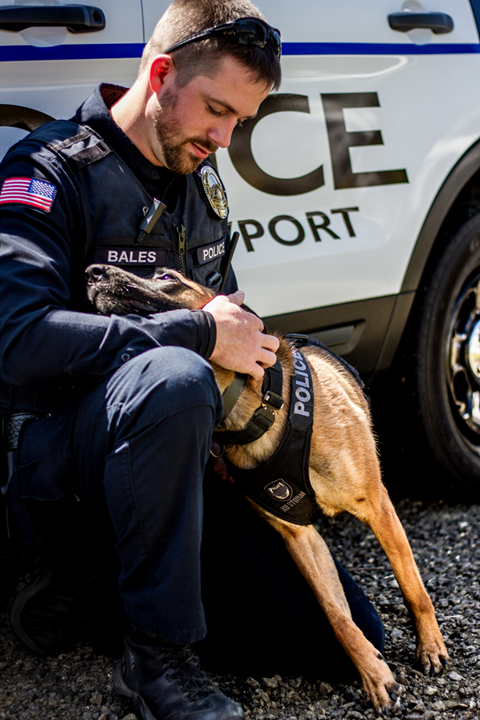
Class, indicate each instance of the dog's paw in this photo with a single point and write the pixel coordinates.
(386, 700)
(382, 689)
(432, 658)
(433, 661)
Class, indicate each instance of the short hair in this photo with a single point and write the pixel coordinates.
(184, 18)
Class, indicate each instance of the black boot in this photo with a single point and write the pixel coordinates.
(166, 681)
(44, 610)
(52, 606)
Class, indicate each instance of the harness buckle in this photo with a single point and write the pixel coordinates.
(276, 401)
(297, 339)
(264, 415)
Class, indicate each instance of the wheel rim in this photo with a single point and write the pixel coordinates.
(463, 363)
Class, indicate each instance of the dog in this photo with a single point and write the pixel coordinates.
(344, 472)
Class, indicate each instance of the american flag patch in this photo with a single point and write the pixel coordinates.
(28, 191)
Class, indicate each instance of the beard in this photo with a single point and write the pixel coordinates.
(175, 150)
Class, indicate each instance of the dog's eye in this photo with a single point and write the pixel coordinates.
(164, 276)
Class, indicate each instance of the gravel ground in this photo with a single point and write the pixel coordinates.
(444, 539)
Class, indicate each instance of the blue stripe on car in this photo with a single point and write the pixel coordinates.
(15, 53)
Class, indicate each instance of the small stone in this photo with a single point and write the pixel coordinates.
(429, 690)
(324, 689)
(270, 682)
(438, 706)
(456, 705)
(96, 699)
(252, 682)
(263, 695)
(419, 708)
(455, 677)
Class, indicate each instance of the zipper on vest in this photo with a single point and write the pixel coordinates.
(181, 249)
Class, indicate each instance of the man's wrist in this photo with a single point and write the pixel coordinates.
(207, 332)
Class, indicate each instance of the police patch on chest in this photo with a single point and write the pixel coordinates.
(279, 489)
(210, 252)
(214, 191)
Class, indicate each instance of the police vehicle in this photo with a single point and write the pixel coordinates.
(356, 189)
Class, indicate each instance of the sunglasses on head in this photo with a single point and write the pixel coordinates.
(247, 31)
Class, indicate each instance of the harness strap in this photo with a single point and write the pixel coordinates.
(282, 484)
(263, 417)
(272, 386)
(232, 392)
(299, 340)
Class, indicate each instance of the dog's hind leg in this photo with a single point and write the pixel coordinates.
(378, 512)
(312, 557)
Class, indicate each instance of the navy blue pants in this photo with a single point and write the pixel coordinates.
(131, 455)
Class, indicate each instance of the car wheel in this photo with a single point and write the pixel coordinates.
(437, 373)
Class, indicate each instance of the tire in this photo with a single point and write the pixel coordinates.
(436, 383)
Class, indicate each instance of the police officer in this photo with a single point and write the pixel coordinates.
(108, 421)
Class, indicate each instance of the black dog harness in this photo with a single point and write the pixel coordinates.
(282, 484)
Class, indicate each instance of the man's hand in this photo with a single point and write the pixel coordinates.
(240, 344)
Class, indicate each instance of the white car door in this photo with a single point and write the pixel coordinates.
(330, 185)
(53, 54)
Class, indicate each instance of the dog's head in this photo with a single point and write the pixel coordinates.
(112, 290)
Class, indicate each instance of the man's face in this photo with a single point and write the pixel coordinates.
(194, 121)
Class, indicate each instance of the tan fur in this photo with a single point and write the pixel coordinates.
(345, 475)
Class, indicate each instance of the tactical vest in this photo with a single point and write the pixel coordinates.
(188, 235)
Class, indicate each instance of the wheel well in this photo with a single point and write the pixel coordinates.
(464, 206)
(454, 202)
(461, 187)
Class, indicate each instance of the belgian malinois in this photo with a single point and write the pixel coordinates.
(344, 473)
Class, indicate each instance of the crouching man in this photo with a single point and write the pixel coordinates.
(108, 420)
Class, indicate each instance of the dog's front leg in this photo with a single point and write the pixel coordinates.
(379, 513)
(312, 556)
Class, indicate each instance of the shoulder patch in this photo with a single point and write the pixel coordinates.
(28, 191)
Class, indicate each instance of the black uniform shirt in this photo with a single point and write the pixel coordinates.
(43, 341)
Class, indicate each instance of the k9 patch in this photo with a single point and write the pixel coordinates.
(28, 191)
(279, 489)
(129, 256)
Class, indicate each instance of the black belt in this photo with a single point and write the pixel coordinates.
(13, 397)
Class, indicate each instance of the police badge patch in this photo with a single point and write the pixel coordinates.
(279, 489)
(214, 191)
